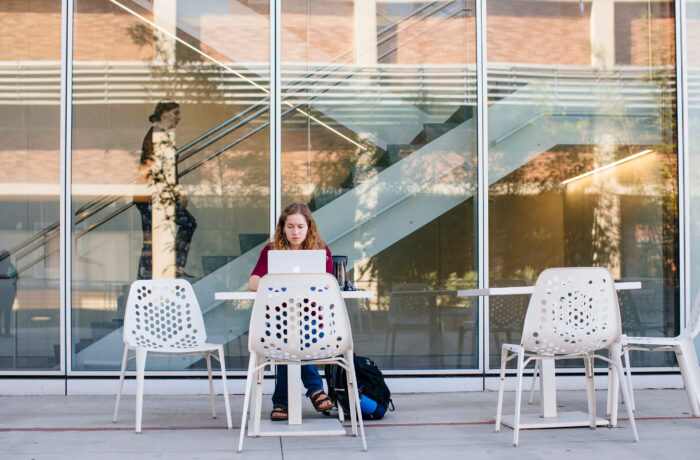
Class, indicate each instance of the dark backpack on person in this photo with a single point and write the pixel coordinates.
(371, 385)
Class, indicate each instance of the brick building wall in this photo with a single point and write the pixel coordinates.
(538, 32)
(102, 32)
(645, 34)
(31, 30)
(533, 32)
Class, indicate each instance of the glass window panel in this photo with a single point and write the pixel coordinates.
(379, 138)
(30, 185)
(179, 192)
(693, 68)
(582, 154)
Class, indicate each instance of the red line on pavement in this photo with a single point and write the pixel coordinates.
(369, 425)
(59, 429)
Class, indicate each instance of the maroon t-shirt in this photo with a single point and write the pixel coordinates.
(261, 267)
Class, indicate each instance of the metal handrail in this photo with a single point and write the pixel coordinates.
(575, 80)
(179, 153)
(262, 103)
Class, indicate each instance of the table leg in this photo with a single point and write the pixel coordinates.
(549, 417)
(548, 389)
(318, 425)
(294, 394)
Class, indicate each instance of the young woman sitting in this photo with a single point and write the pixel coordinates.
(296, 230)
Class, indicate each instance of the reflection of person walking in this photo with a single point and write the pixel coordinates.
(161, 171)
(8, 290)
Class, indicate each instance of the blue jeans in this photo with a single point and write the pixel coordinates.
(309, 377)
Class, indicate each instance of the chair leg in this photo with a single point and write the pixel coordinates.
(535, 373)
(501, 386)
(628, 376)
(352, 380)
(341, 412)
(140, 372)
(590, 391)
(386, 343)
(617, 363)
(352, 392)
(257, 402)
(252, 363)
(121, 383)
(207, 357)
(227, 404)
(518, 397)
(608, 399)
(614, 390)
(690, 371)
(460, 344)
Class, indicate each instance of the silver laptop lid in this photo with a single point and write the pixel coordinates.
(300, 261)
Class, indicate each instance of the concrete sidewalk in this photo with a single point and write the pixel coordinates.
(437, 426)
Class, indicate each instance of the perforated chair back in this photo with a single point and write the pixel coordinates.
(408, 306)
(299, 317)
(572, 311)
(163, 315)
(507, 312)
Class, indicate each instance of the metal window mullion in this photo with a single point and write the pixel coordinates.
(65, 148)
(275, 113)
(482, 181)
(683, 163)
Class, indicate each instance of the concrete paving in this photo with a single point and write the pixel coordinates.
(428, 425)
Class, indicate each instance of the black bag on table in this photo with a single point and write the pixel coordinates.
(375, 397)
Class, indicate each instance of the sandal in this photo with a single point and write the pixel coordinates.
(321, 401)
(279, 414)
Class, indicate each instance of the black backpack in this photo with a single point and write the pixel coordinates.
(370, 384)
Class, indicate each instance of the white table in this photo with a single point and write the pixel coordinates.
(249, 295)
(314, 426)
(548, 417)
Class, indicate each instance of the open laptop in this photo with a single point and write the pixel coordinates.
(306, 261)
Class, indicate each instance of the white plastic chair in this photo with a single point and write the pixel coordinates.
(298, 319)
(572, 314)
(163, 318)
(684, 349)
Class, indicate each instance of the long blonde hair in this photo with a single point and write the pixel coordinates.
(313, 238)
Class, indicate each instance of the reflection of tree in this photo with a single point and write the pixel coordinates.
(606, 230)
(230, 174)
(166, 191)
(185, 77)
(318, 164)
(611, 141)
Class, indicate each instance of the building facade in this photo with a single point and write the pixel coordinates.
(440, 145)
